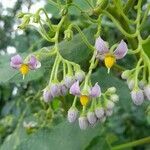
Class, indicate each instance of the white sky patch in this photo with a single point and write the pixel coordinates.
(8, 3)
(11, 50)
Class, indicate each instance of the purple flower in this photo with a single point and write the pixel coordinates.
(99, 111)
(47, 95)
(16, 62)
(95, 90)
(110, 57)
(75, 89)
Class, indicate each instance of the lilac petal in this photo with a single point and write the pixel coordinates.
(121, 50)
(16, 61)
(75, 88)
(95, 90)
(47, 95)
(34, 63)
(101, 46)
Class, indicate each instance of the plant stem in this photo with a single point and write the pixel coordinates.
(132, 144)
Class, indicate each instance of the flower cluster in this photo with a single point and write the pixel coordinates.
(24, 67)
(140, 89)
(109, 56)
(55, 89)
(96, 105)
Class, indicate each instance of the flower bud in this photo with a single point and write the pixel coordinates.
(125, 74)
(99, 112)
(110, 105)
(47, 95)
(26, 20)
(79, 75)
(68, 81)
(103, 119)
(130, 83)
(91, 117)
(147, 91)
(114, 98)
(63, 89)
(55, 91)
(68, 34)
(111, 90)
(72, 114)
(137, 96)
(36, 19)
(109, 112)
(83, 122)
(20, 15)
(141, 84)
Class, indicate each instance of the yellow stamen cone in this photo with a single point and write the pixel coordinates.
(24, 69)
(109, 61)
(84, 100)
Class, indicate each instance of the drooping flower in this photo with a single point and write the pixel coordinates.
(83, 122)
(17, 62)
(137, 96)
(47, 96)
(147, 91)
(91, 117)
(110, 57)
(72, 114)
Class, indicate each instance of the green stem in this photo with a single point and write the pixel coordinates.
(132, 144)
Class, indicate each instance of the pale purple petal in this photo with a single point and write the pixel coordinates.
(95, 90)
(16, 61)
(47, 95)
(121, 50)
(33, 63)
(101, 46)
(75, 89)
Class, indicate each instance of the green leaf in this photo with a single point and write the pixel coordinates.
(63, 136)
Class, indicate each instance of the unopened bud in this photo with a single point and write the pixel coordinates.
(114, 98)
(91, 118)
(99, 111)
(125, 74)
(80, 75)
(72, 114)
(109, 112)
(83, 122)
(26, 20)
(147, 91)
(20, 14)
(110, 105)
(68, 34)
(111, 90)
(137, 96)
(130, 84)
